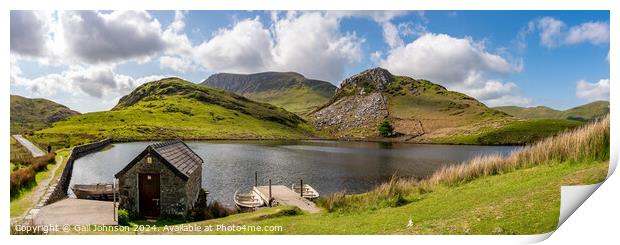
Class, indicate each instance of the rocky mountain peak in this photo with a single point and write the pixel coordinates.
(375, 78)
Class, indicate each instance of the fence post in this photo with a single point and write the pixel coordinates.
(269, 193)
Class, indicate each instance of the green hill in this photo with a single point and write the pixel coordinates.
(585, 112)
(288, 90)
(418, 110)
(174, 108)
(28, 115)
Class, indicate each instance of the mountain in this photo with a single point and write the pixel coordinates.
(417, 109)
(587, 112)
(28, 115)
(173, 108)
(289, 90)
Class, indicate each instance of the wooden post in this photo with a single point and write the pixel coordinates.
(269, 193)
(114, 198)
(301, 187)
(255, 178)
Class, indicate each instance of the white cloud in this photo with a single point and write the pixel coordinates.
(593, 91)
(553, 32)
(246, 47)
(176, 63)
(592, 32)
(391, 35)
(312, 44)
(550, 31)
(95, 37)
(94, 81)
(30, 33)
(458, 63)
(306, 42)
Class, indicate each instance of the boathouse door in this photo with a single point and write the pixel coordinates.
(148, 188)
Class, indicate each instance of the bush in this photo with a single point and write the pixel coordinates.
(21, 178)
(123, 217)
(25, 176)
(385, 128)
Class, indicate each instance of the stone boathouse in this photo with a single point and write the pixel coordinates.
(164, 180)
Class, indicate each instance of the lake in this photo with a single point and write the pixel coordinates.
(329, 166)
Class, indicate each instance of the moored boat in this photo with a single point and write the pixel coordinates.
(250, 200)
(94, 191)
(308, 192)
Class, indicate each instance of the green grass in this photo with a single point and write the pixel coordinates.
(525, 201)
(517, 132)
(174, 108)
(299, 100)
(25, 199)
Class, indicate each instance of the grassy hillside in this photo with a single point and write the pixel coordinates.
(585, 112)
(518, 194)
(597, 109)
(530, 112)
(288, 90)
(414, 102)
(173, 108)
(514, 133)
(29, 115)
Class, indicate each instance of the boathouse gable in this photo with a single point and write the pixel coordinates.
(166, 176)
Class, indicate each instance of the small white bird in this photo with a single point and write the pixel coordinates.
(410, 223)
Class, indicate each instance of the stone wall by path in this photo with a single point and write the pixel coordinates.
(59, 189)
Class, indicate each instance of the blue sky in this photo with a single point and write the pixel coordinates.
(87, 60)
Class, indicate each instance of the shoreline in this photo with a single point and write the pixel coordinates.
(208, 139)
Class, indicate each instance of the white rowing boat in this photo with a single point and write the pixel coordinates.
(308, 192)
(248, 200)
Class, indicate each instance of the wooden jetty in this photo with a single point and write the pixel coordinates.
(282, 195)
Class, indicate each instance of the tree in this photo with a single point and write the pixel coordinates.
(385, 128)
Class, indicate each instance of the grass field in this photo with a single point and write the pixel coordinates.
(515, 133)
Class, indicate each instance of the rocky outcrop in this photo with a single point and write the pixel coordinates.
(371, 79)
(353, 116)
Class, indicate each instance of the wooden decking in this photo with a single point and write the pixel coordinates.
(286, 197)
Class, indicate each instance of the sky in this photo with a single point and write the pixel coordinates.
(87, 60)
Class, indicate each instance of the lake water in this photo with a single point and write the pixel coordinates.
(329, 166)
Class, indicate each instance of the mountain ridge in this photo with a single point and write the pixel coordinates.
(289, 90)
(585, 112)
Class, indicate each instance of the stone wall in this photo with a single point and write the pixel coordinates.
(174, 197)
(194, 185)
(58, 190)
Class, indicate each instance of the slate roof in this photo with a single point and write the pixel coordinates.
(175, 154)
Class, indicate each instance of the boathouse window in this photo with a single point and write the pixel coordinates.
(149, 160)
